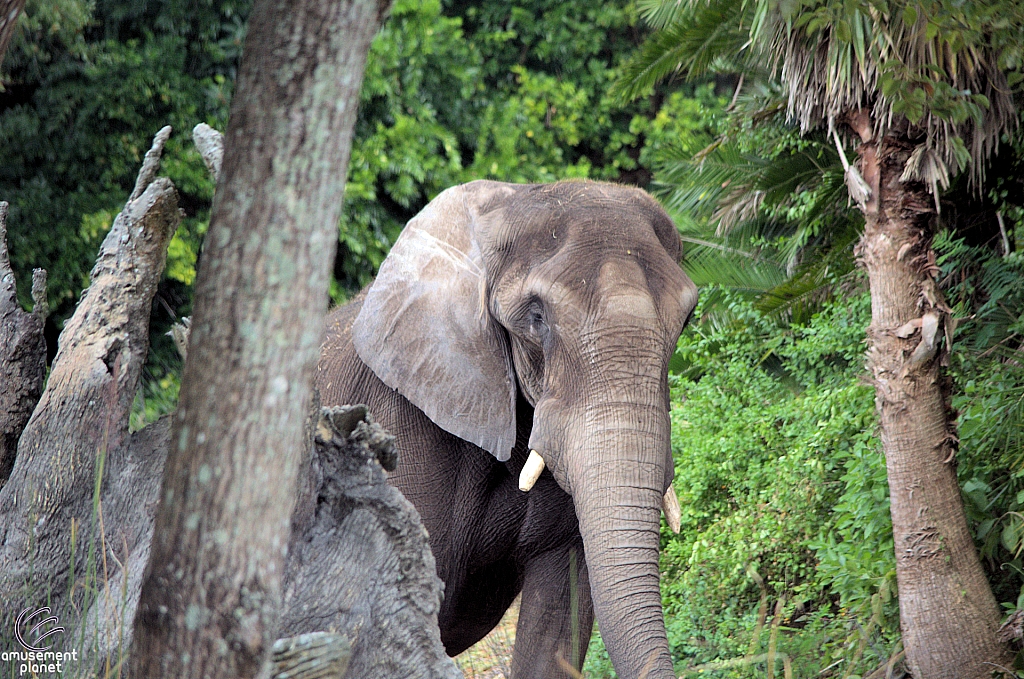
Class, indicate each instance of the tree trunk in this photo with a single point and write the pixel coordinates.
(22, 354)
(948, 614)
(212, 588)
(9, 12)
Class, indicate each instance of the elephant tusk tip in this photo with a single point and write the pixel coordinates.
(673, 513)
(531, 471)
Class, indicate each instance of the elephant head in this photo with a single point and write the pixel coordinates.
(571, 295)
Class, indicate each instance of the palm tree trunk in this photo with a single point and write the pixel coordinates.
(948, 614)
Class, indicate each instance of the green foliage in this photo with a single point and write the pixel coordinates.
(87, 86)
(938, 65)
(404, 148)
(986, 291)
(767, 215)
(467, 91)
(157, 397)
(762, 206)
(78, 114)
(696, 38)
(512, 92)
(46, 31)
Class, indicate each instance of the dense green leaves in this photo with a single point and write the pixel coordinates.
(699, 39)
(986, 291)
(78, 115)
(512, 92)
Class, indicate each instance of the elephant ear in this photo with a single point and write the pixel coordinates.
(425, 330)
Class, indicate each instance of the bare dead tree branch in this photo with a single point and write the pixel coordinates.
(210, 143)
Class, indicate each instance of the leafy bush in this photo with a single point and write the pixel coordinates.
(460, 91)
(986, 290)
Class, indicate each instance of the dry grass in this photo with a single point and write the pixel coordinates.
(491, 657)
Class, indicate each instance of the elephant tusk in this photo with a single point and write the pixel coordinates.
(670, 505)
(531, 471)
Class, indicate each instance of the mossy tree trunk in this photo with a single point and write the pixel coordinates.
(211, 591)
(948, 614)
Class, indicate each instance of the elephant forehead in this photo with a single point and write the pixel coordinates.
(626, 289)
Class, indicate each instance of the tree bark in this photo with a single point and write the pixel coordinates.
(22, 354)
(9, 12)
(47, 511)
(948, 614)
(212, 589)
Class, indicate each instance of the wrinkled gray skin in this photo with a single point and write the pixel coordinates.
(516, 317)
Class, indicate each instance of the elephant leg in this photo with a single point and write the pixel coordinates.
(481, 601)
(556, 614)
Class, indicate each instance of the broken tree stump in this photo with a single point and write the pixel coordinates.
(359, 561)
(80, 423)
(317, 655)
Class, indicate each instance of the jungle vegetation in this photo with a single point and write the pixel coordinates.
(786, 561)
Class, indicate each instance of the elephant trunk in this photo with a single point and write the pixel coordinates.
(617, 488)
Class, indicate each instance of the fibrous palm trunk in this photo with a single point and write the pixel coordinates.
(947, 611)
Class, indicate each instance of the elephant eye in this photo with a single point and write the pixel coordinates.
(535, 321)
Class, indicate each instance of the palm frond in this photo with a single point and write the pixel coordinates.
(812, 284)
(700, 36)
(902, 66)
(772, 226)
(748, 275)
(941, 72)
(699, 187)
(728, 186)
(660, 13)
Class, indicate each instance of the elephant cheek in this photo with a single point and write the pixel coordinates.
(548, 438)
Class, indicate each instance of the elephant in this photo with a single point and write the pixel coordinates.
(516, 342)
